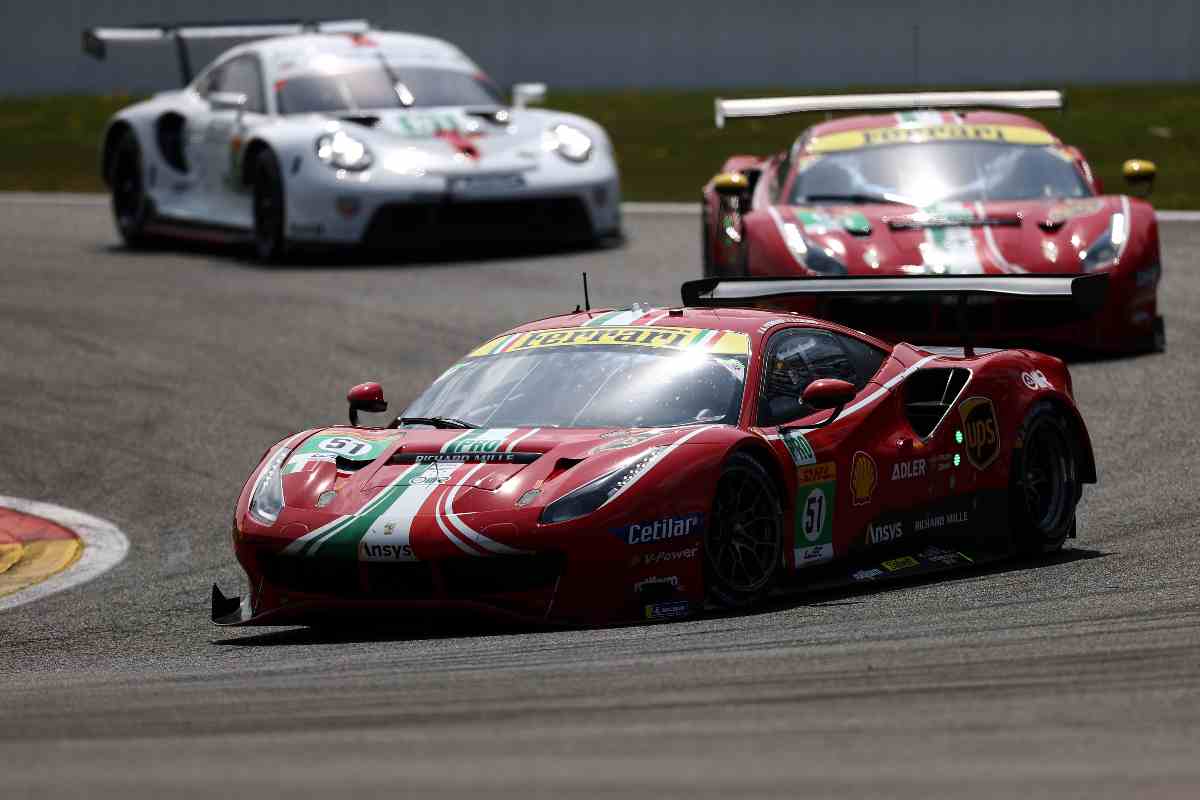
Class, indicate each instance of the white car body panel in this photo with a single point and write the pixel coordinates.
(443, 155)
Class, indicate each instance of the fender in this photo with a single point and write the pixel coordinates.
(1060, 392)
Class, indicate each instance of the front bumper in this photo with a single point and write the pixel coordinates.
(378, 209)
(547, 587)
(299, 590)
(444, 222)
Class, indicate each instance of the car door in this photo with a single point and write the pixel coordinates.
(218, 134)
(794, 357)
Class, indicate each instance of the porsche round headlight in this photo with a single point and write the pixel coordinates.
(342, 151)
(569, 142)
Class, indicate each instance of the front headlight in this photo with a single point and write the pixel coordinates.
(569, 142)
(1107, 247)
(266, 501)
(812, 255)
(342, 151)
(591, 496)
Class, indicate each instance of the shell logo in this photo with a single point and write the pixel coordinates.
(864, 477)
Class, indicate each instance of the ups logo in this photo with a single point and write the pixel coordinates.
(981, 429)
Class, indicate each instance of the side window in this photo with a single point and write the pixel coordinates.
(241, 76)
(796, 358)
(210, 82)
(867, 359)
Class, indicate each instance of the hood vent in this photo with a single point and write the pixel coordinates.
(366, 120)
(561, 466)
(352, 465)
(497, 116)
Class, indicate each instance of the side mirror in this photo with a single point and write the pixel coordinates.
(527, 94)
(827, 393)
(365, 397)
(731, 184)
(824, 394)
(227, 101)
(1140, 174)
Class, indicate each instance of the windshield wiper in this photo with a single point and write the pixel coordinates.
(436, 422)
(859, 197)
(403, 95)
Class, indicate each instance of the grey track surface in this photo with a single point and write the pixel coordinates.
(142, 388)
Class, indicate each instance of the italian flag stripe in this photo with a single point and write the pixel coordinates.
(624, 318)
(310, 546)
(600, 320)
(704, 339)
(509, 343)
(344, 541)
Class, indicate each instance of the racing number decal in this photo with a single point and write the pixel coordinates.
(815, 494)
(814, 515)
(327, 447)
(345, 446)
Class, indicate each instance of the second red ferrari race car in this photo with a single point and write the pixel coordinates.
(648, 463)
(938, 188)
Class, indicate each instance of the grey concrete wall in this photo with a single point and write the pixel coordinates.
(612, 43)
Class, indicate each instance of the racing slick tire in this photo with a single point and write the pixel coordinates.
(743, 543)
(270, 241)
(1158, 338)
(131, 206)
(1044, 485)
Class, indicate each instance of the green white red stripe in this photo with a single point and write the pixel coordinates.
(624, 316)
(382, 529)
(704, 339)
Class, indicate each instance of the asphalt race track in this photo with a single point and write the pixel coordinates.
(142, 388)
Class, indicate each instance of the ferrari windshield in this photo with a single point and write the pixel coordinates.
(591, 385)
(935, 172)
(381, 86)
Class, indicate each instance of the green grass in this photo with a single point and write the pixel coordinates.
(54, 142)
(666, 141)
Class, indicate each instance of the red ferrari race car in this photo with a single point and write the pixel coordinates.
(931, 190)
(648, 463)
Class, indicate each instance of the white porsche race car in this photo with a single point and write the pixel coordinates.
(333, 133)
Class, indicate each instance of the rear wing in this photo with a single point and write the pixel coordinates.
(95, 40)
(1066, 295)
(778, 106)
